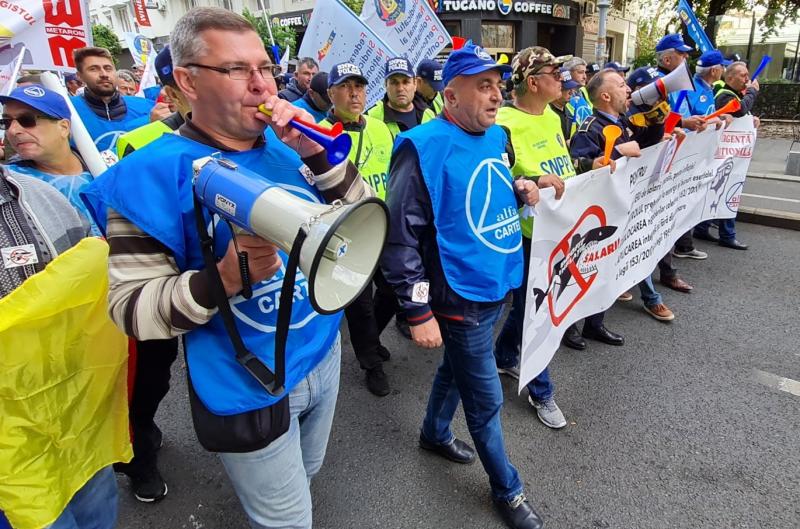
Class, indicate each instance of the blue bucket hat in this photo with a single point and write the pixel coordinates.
(470, 60)
(45, 101)
(673, 41)
(712, 58)
(431, 71)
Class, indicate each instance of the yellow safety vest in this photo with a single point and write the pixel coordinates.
(371, 152)
(379, 112)
(539, 147)
(63, 389)
(438, 103)
(139, 137)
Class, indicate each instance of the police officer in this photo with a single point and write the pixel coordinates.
(137, 138)
(370, 153)
(398, 109)
(430, 85)
(436, 260)
(610, 97)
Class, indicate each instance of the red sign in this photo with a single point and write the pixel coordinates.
(66, 32)
(140, 10)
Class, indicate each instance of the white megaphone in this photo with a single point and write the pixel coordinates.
(678, 79)
(343, 242)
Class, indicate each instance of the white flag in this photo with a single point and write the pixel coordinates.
(9, 73)
(284, 64)
(148, 77)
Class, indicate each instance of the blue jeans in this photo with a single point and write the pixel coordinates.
(508, 344)
(727, 228)
(649, 295)
(468, 373)
(94, 506)
(273, 484)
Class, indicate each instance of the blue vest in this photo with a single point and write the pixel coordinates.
(302, 103)
(152, 187)
(105, 132)
(474, 207)
(578, 108)
(701, 100)
(68, 185)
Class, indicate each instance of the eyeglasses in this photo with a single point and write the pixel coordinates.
(242, 73)
(26, 121)
(555, 74)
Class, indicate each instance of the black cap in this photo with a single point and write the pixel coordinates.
(319, 84)
(163, 64)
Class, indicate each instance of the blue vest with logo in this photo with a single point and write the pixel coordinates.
(474, 207)
(578, 108)
(105, 132)
(152, 187)
(701, 99)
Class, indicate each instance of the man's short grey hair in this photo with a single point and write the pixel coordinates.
(126, 75)
(574, 63)
(185, 44)
(731, 69)
(703, 71)
(308, 62)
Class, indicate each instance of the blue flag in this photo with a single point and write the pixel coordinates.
(693, 27)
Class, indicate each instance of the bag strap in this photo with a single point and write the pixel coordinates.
(273, 383)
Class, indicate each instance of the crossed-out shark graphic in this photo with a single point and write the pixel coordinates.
(566, 268)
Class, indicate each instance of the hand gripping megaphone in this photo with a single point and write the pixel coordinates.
(678, 79)
(343, 242)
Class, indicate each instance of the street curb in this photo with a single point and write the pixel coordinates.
(774, 176)
(769, 217)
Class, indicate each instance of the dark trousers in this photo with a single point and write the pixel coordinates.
(154, 359)
(685, 242)
(666, 269)
(367, 317)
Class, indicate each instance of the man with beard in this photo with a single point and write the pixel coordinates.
(398, 109)
(106, 113)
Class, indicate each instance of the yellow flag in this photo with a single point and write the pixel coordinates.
(63, 389)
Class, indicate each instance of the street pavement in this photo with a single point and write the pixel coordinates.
(683, 427)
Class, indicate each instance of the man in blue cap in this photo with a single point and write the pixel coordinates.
(73, 83)
(708, 70)
(397, 109)
(671, 53)
(37, 126)
(559, 106)
(430, 85)
(617, 67)
(453, 205)
(316, 100)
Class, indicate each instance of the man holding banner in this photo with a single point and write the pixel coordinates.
(453, 205)
(106, 113)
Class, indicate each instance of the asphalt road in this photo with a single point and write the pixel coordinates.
(683, 427)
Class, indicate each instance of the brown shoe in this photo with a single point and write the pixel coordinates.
(676, 283)
(660, 312)
(626, 296)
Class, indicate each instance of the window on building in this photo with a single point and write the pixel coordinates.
(497, 37)
(123, 18)
(227, 4)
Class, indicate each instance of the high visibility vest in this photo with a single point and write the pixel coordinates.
(140, 137)
(371, 151)
(438, 103)
(64, 388)
(379, 112)
(539, 147)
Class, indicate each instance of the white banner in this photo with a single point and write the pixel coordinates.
(335, 34)
(608, 231)
(409, 27)
(141, 48)
(9, 74)
(50, 30)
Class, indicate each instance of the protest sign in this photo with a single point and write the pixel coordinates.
(49, 30)
(409, 27)
(608, 232)
(335, 34)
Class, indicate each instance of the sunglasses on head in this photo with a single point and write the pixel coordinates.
(26, 121)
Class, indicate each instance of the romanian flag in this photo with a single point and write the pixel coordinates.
(63, 390)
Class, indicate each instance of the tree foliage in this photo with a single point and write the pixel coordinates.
(104, 37)
(283, 35)
(355, 5)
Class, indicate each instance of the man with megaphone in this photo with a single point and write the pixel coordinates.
(169, 277)
(671, 55)
(454, 253)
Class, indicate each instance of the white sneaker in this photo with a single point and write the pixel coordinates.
(692, 254)
(513, 372)
(549, 413)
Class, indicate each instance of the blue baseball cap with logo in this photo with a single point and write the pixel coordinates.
(163, 64)
(40, 98)
(643, 76)
(398, 66)
(614, 65)
(431, 71)
(713, 58)
(470, 60)
(343, 71)
(673, 41)
(567, 82)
